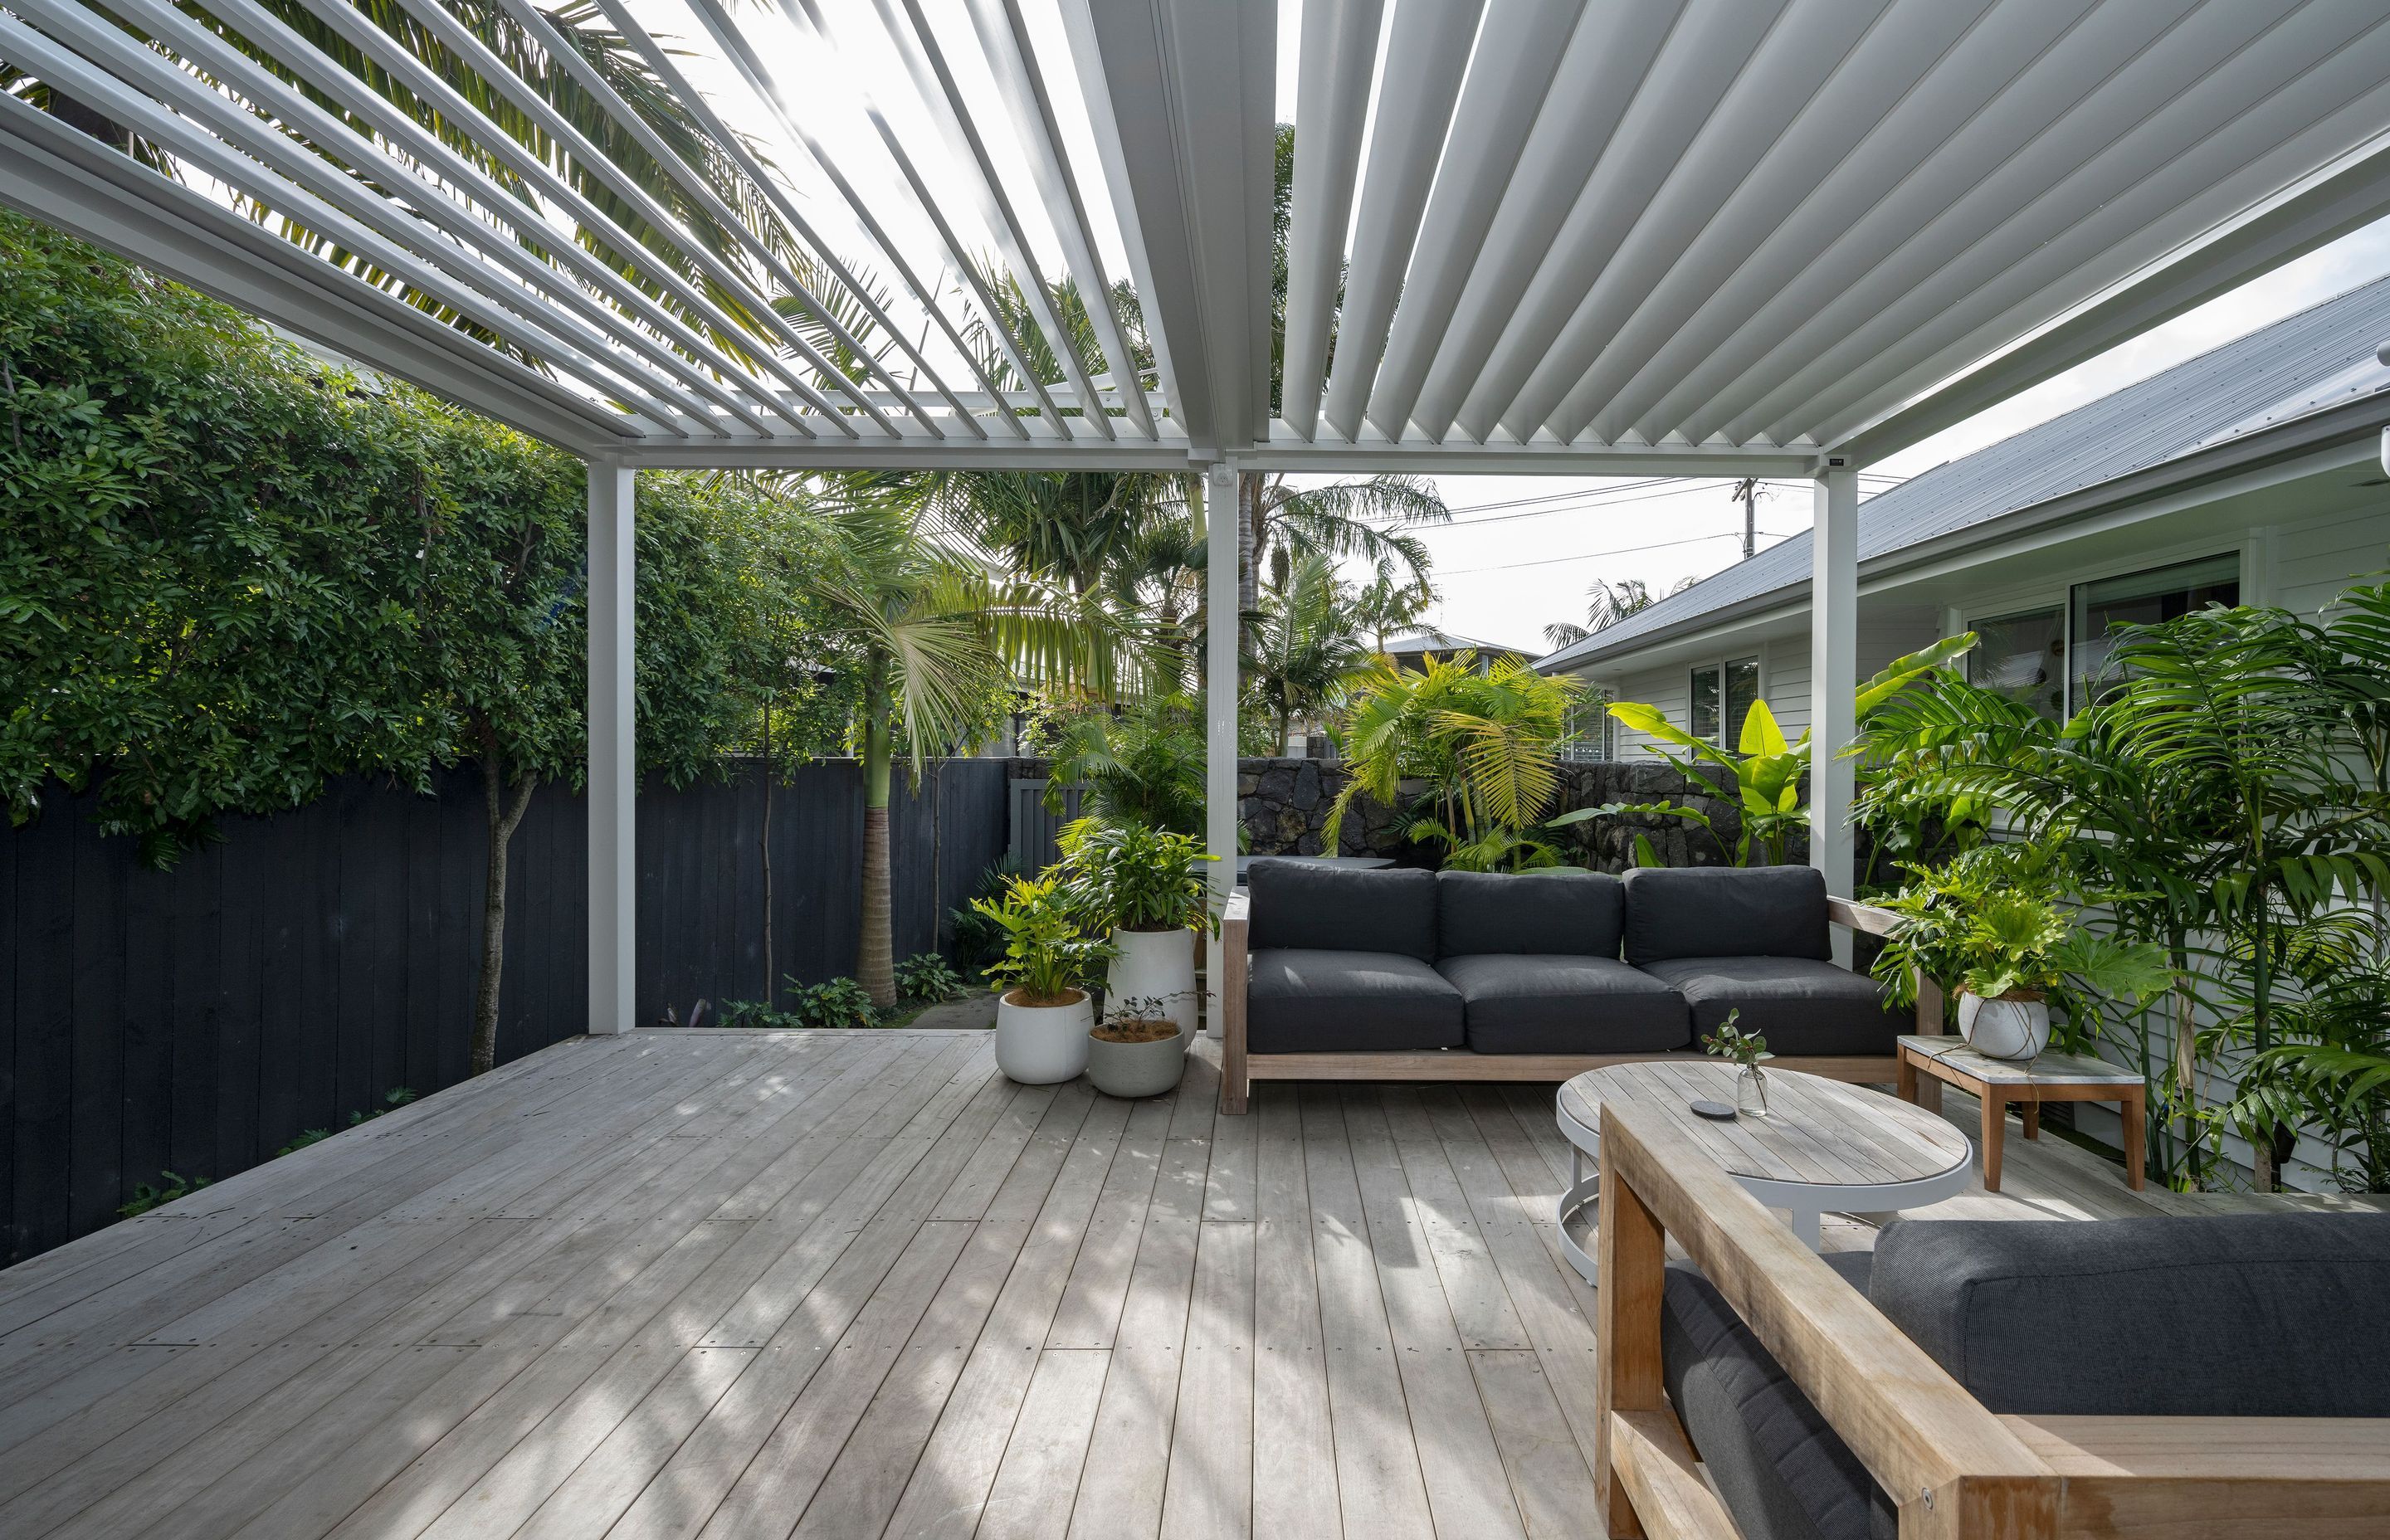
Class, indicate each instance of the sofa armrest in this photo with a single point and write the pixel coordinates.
(1236, 924)
(1867, 920)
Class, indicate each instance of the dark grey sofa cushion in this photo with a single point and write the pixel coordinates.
(1516, 1004)
(1785, 1475)
(1799, 1004)
(1545, 913)
(1331, 909)
(2247, 1315)
(1304, 1000)
(1725, 912)
(1564, 1004)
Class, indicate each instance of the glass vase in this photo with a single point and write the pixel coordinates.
(1751, 1092)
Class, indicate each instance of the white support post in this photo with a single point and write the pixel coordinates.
(613, 767)
(1834, 678)
(1220, 686)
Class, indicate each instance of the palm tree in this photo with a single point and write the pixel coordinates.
(940, 635)
(1303, 649)
(1609, 603)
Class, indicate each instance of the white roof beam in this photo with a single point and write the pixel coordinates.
(89, 189)
(1509, 83)
(1339, 50)
(1427, 57)
(1188, 87)
(1004, 36)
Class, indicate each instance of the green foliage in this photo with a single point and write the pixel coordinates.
(1746, 1048)
(1142, 765)
(1487, 743)
(839, 1002)
(927, 976)
(170, 1187)
(1130, 877)
(1306, 649)
(1762, 776)
(979, 940)
(391, 1102)
(1046, 955)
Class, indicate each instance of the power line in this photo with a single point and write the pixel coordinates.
(1622, 550)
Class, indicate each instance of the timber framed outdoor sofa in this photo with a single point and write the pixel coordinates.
(1334, 973)
(2169, 1377)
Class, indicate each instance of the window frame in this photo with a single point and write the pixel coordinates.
(1715, 668)
(2009, 603)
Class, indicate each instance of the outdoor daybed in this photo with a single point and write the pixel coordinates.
(2190, 1378)
(1343, 974)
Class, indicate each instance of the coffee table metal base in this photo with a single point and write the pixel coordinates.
(1807, 1203)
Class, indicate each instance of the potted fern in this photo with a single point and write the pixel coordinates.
(1146, 888)
(1045, 1011)
(2001, 932)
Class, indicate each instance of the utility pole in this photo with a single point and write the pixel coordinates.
(1747, 491)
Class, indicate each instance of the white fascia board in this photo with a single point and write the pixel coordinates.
(795, 455)
(1288, 451)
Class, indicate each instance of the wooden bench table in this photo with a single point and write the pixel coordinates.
(1929, 1063)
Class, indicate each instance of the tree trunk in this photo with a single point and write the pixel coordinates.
(506, 806)
(875, 961)
(1249, 510)
(771, 996)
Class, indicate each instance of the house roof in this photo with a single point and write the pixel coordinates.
(2321, 358)
(1431, 641)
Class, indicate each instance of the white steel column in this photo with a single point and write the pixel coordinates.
(1220, 694)
(1833, 675)
(613, 767)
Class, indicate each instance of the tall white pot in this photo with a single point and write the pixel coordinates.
(1158, 965)
(1041, 1045)
(2004, 1027)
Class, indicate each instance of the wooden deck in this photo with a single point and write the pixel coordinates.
(843, 1284)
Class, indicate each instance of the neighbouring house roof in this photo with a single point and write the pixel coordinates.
(1433, 640)
(2320, 358)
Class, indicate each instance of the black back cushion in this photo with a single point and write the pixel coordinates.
(2243, 1315)
(1335, 910)
(1725, 912)
(1554, 913)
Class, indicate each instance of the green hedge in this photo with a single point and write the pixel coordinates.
(230, 570)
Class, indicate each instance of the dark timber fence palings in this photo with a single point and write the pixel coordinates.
(293, 973)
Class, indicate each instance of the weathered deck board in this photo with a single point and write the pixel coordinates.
(843, 1284)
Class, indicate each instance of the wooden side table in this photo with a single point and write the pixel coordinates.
(1927, 1063)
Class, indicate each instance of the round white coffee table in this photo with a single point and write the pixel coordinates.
(1825, 1147)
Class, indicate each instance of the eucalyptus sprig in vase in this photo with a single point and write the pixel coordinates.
(1746, 1048)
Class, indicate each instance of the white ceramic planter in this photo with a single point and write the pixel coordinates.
(2017, 1030)
(1041, 1045)
(1155, 965)
(1136, 1070)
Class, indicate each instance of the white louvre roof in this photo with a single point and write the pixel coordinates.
(1621, 238)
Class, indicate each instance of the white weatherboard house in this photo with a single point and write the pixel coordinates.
(2248, 474)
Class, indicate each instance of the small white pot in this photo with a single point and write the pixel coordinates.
(2017, 1030)
(1041, 1045)
(1157, 965)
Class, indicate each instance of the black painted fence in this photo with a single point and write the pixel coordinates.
(197, 1021)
